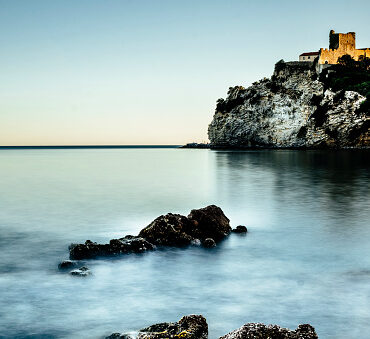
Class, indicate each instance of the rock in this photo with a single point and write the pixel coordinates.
(206, 225)
(257, 330)
(196, 242)
(120, 336)
(81, 272)
(195, 145)
(189, 327)
(67, 264)
(209, 222)
(292, 109)
(168, 230)
(125, 245)
(178, 230)
(240, 229)
(209, 243)
(130, 245)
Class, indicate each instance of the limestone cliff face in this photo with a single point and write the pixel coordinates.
(292, 109)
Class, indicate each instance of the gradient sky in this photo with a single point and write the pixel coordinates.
(146, 72)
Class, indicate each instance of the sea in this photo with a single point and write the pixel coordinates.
(305, 258)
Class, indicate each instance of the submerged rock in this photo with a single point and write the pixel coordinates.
(67, 264)
(240, 229)
(81, 272)
(205, 226)
(258, 330)
(189, 327)
(209, 243)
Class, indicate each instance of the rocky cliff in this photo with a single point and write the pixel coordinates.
(292, 109)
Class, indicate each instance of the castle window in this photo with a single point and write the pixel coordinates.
(309, 57)
(303, 58)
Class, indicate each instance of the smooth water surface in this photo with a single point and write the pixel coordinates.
(305, 260)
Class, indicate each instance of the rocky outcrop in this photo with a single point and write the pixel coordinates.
(168, 230)
(195, 327)
(257, 330)
(209, 222)
(126, 245)
(188, 327)
(205, 226)
(240, 229)
(195, 145)
(292, 109)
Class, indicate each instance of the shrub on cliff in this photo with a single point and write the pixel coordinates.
(350, 75)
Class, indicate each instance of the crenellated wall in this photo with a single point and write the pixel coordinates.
(330, 56)
(339, 45)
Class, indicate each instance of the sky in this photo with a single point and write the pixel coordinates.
(137, 72)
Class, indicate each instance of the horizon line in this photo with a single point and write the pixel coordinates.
(85, 146)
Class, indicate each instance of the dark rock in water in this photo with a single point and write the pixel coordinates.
(67, 264)
(178, 230)
(195, 327)
(168, 230)
(240, 229)
(257, 330)
(209, 243)
(119, 336)
(125, 245)
(196, 145)
(81, 272)
(189, 327)
(130, 245)
(209, 222)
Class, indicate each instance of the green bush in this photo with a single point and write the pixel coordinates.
(350, 75)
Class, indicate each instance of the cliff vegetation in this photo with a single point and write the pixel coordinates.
(297, 108)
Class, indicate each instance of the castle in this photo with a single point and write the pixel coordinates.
(339, 45)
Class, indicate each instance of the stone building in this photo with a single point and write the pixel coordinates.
(339, 45)
(309, 56)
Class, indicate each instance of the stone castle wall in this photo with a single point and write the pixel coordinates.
(339, 45)
(330, 56)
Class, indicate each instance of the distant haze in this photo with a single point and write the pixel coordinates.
(146, 72)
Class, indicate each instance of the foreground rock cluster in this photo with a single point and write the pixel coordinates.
(205, 226)
(292, 109)
(195, 327)
(258, 330)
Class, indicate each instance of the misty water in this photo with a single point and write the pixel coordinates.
(305, 259)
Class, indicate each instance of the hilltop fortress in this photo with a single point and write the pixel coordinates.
(339, 45)
(299, 106)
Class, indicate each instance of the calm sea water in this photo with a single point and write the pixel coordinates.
(306, 258)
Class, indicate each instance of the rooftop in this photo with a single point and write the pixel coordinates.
(309, 53)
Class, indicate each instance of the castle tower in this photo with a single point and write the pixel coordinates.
(339, 45)
(342, 41)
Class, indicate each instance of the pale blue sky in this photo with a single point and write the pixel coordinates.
(146, 72)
